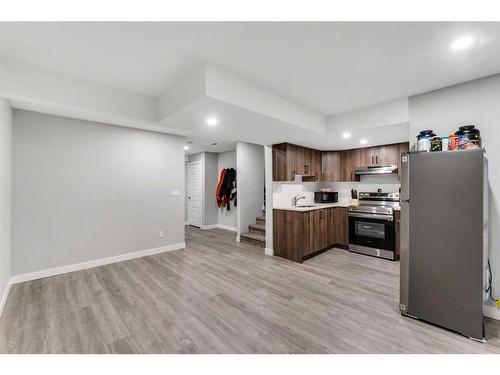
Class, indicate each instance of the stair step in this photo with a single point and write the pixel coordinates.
(253, 239)
(261, 220)
(258, 229)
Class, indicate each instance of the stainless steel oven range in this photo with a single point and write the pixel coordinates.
(371, 224)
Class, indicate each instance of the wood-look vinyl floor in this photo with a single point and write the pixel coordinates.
(217, 296)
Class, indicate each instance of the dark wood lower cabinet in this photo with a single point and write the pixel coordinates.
(341, 219)
(301, 235)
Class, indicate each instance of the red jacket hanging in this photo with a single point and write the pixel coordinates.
(218, 195)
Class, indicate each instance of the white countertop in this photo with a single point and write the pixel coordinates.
(317, 206)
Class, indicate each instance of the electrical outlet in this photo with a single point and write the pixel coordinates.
(162, 234)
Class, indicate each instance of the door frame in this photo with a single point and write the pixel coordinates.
(202, 194)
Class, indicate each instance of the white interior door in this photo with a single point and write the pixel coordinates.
(194, 194)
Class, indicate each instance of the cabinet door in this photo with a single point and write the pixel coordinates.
(291, 171)
(316, 165)
(369, 156)
(306, 163)
(318, 231)
(387, 155)
(346, 165)
(341, 219)
(358, 157)
(300, 160)
(291, 234)
(323, 228)
(330, 227)
(279, 163)
(314, 230)
(330, 170)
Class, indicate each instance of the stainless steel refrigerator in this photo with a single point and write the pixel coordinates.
(443, 238)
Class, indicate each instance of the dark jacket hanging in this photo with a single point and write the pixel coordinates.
(226, 188)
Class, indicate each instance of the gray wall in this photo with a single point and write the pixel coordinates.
(85, 190)
(5, 195)
(250, 182)
(227, 218)
(210, 180)
(476, 102)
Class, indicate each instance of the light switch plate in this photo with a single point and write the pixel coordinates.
(175, 193)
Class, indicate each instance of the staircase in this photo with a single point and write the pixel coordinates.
(256, 235)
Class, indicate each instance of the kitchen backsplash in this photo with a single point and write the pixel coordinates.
(283, 192)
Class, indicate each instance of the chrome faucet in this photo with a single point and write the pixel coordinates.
(296, 199)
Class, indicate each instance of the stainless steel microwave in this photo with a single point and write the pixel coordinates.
(326, 196)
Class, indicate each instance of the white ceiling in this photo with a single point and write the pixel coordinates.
(238, 124)
(330, 67)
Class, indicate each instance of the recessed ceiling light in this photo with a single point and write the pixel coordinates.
(462, 43)
(363, 141)
(346, 135)
(186, 147)
(211, 121)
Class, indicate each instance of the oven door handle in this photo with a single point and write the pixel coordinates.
(372, 216)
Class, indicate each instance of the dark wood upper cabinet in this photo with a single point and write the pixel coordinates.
(330, 166)
(359, 158)
(290, 160)
(346, 165)
(316, 165)
(302, 159)
(387, 155)
(280, 163)
(369, 156)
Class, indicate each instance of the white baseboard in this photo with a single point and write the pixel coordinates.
(211, 226)
(269, 251)
(227, 227)
(93, 263)
(5, 295)
(218, 226)
(491, 311)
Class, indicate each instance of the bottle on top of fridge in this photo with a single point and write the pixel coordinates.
(424, 140)
(436, 144)
(469, 138)
(453, 142)
(444, 143)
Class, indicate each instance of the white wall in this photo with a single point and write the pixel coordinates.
(5, 197)
(283, 192)
(29, 83)
(476, 102)
(84, 191)
(227, 218)
(250, 181)
(268, 159)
